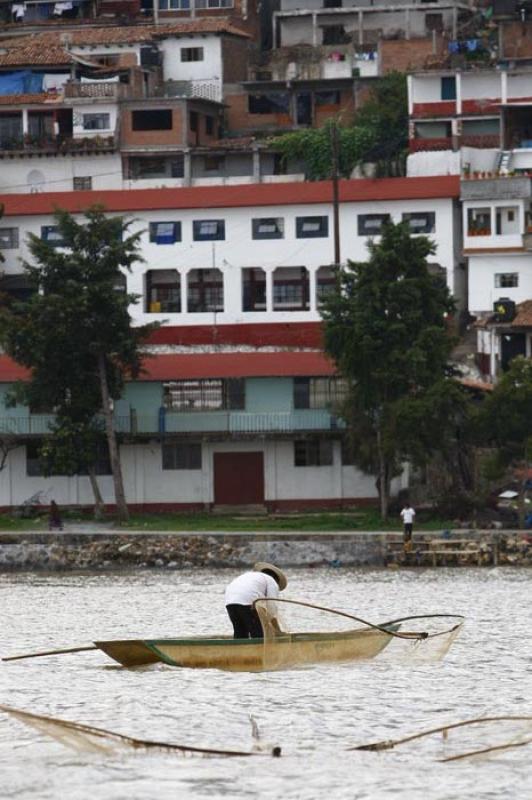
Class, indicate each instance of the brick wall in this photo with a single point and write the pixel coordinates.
(173, 136)
(404, 55)
(235, 54)
(516, 39)
(238, 118)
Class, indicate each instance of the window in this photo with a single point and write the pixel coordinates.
(312, 227)
(194, 121)
(83, 184)
(268, 228)
(205, 291)
(213, 163)
(371, 224)
(506, 280)
(174, 5)
(348, 456)
(8, 238)
(192, 54)
(313, 453)
(330, 98)
(205, 395)
(421, 221)
(479, 221)
(163, 291)
(34, 465)
(273, 103)
(156, 119)
(51, 234)
(448, 88)
(319, 392)
(157, 167)
(325, 282)
(96, 122)
(214, 3)
(181, 455)
(208, 230)
(291, 289)
(165, 232)
(209, 125)
(253, 289)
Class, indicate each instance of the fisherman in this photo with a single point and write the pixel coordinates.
(265, 581)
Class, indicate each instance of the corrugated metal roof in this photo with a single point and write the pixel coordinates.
(237, 196)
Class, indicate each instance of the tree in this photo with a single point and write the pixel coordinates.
(385, 328)
(506, 420)
(75, 332)
(378, 134)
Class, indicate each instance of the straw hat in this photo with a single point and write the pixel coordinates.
(282, 580)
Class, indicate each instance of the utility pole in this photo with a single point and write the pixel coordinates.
(336, 197)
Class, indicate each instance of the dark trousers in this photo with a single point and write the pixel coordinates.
(246, 622)
(407, 535)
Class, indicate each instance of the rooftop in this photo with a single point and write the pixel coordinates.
(235, 196)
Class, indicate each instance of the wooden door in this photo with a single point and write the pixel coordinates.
(238, 478)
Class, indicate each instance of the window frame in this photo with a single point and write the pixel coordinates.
(219, 236)
(313, 452)
(95, 115)
(204, 395)
(148, 114)
(181, 456)
(278, 223)
(189, 51)
(429, 225)
(362, 220)
(321, 233)
(164, 239)
(82, 179)
(12, 240)
(45, 233)
(502, 284)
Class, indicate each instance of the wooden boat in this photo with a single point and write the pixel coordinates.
(250, 655)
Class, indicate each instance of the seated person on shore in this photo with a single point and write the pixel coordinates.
(265, 581)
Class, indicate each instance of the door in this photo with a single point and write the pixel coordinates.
(238, 479)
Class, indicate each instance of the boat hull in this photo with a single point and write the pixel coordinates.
(249, 655)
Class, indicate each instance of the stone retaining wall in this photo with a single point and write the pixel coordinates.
(70, 551)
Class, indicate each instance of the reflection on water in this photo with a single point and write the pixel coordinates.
(313, 713)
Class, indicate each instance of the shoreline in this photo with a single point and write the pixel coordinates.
(66, 551)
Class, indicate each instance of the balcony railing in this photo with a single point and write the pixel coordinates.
(98, 89)
(440, 143)
(34, 144)
(224, 422)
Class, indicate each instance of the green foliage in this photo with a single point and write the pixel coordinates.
(313, 146)
(379, 134)
(77, 316)
(385, 327)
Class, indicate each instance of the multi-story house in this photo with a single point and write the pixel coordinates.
(235, 381)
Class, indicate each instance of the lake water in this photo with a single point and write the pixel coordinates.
(314, 713)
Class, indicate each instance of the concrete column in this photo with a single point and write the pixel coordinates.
(256, 165)
(493, 220)
(410, 88)
(407, 23)
(269, 290)
(360, 26)
(184, 277)
(313, 278)
(458, 92)
(187, 167)
(314, 29)
(504, 86)
(25, 125)
(455, 22)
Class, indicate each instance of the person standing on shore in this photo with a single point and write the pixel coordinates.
(54, 518)
(407, 515)
(265, 581)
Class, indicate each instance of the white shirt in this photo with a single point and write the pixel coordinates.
(408, 515)
(251, 586)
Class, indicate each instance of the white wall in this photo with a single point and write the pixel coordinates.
(452, 162)
(426, 89)
(476, 87)
(96, 107)
(176, 70)
(239, 250)
(482, 270)
(19, 175)
(146, 482)
(519, 85)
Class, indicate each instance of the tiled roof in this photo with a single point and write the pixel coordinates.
(523, 317)
(28, 99)
(236, 365)
(237, 196)
(212, 365)
(50, 48)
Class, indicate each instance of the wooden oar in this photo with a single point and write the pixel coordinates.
(51, 652)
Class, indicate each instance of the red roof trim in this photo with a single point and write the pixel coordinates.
(170, 367)
(236, 365)
(259, 194)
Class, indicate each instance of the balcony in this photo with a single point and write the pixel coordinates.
(10, 148)
(75, 90)
(209, 422)
(438, 143)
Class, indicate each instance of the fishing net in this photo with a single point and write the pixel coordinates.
(88, 739)
(482, 737)
(301, 634)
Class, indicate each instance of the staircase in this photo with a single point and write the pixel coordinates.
(503, 163)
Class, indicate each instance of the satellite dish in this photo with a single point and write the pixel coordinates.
(35, 181)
